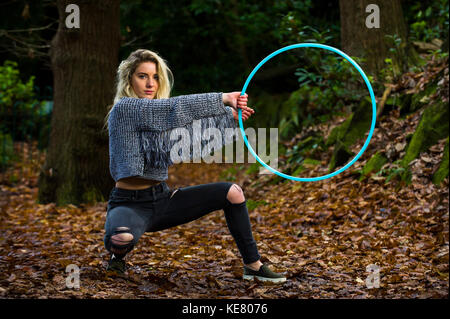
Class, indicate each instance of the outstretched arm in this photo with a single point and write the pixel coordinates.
(164, 114)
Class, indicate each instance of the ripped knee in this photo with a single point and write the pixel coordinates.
(235, 194)
(122, 240)
(173, 193)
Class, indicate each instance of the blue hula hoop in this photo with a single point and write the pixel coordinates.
(372, 96)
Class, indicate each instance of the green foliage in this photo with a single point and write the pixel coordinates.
(388, 73)
(400, 58)
(307, 162)
(428, 20)
(252, 204)
(326, 84)
(360, 122)
(396, 172)
(295, 155)
(310, 146)
(229, 174)
(298, 24)
(22, 114)
(12, 87)
(304, 154)
(339, 132)
(393, 69)
(374, 165)
(220, 41)
(422, 98)
(442, 171)
(253, 169)
(291, 111)
(433, 126)
(346, 134)
(6, 151)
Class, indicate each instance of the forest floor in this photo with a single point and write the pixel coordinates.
(324, 236)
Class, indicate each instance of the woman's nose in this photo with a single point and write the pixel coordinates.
(150, 83)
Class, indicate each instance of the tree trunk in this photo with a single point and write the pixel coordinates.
(371, 43)
(83, 62)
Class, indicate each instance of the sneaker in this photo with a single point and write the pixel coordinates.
(116, 265)
(263, 274)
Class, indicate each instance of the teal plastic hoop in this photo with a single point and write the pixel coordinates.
(372, 96)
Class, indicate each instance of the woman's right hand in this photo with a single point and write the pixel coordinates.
(237, 101)
(245, 115)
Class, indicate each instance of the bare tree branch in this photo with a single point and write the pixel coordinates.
(130, 42)
(29, 29)
(28, 44)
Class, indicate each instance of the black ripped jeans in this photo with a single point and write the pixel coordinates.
(160, 207)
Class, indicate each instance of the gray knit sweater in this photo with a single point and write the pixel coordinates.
(140, 131)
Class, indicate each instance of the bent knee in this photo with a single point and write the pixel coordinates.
(235, 194)
(120, 239)
(121, 242)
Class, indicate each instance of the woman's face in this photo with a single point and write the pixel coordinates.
(145, 80)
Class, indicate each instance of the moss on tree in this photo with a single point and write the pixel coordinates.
(345, 135)
(340, 156)
(420, 99)
(433, 126)
(374, 164)
(442, 171)
(338, 133)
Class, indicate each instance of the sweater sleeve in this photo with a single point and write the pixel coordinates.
(165, 114)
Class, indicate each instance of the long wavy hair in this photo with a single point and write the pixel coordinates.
(127, 68)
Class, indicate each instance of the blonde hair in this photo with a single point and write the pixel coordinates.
(126, 70)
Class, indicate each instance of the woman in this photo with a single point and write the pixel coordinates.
(141, 126)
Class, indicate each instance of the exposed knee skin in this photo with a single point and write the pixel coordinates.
(173, 193)
(122, 239)
(235, 194)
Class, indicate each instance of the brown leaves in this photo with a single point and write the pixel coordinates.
(322, 235)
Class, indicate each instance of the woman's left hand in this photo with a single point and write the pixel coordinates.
(238, 101)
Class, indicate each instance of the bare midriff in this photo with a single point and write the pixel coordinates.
(135, 183)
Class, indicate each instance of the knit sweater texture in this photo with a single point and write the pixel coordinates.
(142, 132)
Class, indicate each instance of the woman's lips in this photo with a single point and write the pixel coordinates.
(149, 92)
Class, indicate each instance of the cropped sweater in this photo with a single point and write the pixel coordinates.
(142, 131)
